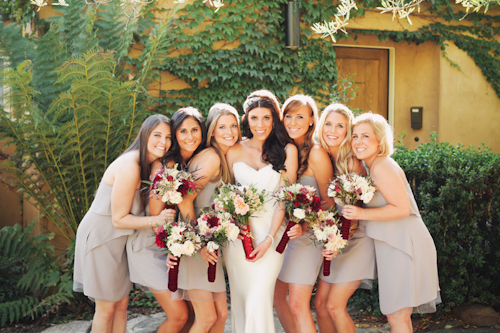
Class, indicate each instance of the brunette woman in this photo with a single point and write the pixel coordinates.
(210, 168)
(266, 160)
(303, 258)
(355, 266)
(404, 249)
(101, 268)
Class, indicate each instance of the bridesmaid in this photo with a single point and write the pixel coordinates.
(404, 249)
(266, 160)
(210, 167)
(101, 270)
(357, 260)
(303, 258)
(146, 260)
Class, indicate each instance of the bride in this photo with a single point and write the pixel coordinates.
(266, 159)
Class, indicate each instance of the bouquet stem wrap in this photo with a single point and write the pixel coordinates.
(285, 239)
(212, 268)
(346, 226)
(168, 206)
(173, 274)
(326, 267)
(247, 243)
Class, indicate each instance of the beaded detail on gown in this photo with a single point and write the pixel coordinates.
(252, 283)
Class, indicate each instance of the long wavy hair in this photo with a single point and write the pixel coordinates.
(174, 153)
(273, 150)
(216, 111)
(344, 154)
(292, 104)
(141, 143)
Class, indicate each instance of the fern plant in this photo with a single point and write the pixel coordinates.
(30, 275)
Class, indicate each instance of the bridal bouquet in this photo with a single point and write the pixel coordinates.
(348, 189)
(241, 202)
(172, 185)
(180, 239)
(301, 203)
(215, 229)
(326, 231)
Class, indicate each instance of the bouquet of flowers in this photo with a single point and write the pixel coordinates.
(326, 231)
(215, 229)
(172, 185)
(348, 189)
(301, 203)
(180, 239)
(241, 202)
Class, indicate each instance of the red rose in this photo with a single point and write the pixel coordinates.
(316, 204)
(170, 178)
(213, 221)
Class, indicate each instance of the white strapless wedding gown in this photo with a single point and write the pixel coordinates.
(252, 283)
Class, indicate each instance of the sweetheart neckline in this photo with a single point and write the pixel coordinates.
(251, 167)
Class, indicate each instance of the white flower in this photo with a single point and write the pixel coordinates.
(176, 232)
(188, 248)
(320, 234)
(232, 232)
(176, 249)
(212, 246)
(367, 197)
(299, 213)
(324, 215)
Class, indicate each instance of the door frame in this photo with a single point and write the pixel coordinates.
(391, 76)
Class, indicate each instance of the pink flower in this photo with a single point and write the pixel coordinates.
(241, 208)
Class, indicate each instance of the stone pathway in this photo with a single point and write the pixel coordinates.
(149, 324)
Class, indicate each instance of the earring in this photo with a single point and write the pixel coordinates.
(310, 125)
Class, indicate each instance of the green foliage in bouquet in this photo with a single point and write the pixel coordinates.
(32, 281)
(457, 191)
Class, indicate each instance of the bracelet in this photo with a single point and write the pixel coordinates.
(271, 238)
(150, 224)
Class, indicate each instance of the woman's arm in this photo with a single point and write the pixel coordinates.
(126, 174)
(290, 175)
(390, 181)
(322, 168)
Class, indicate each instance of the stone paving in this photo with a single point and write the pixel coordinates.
(149, 324)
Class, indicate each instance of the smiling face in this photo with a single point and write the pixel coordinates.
(189, 136)
(335, 129)
(297, 122)
(365, 144)
(260, 121)
(226, 131)
(159, 141)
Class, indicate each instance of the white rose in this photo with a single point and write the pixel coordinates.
(176, 249)
(320, 234)
(232, 232)
(188, 248)
(176, 198)
(367, 197)
(299, 213)
(212, 246)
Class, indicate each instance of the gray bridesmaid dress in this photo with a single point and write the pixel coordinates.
(356, 262)
(193, 270)
(147, 261)
(303, 257)
(101, 270)
(406, 260)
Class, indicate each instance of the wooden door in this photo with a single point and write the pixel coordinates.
(371, 69)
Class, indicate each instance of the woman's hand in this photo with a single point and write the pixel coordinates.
(329, 255)
(167, 215)
(170, 261)
(209, 257)
(351, 212)
(296, 231)
(260, 250)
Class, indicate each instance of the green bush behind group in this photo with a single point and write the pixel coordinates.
(73, 108)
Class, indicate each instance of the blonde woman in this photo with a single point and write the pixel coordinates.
(404, 249)
(210, 166)
(356, 263)
(303, 259)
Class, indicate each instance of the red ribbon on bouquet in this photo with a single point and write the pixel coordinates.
(326, 267)
(212, 268)
(173, 274)
(285, 239)
(247, 243)
(167, 206)
(345, 227)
